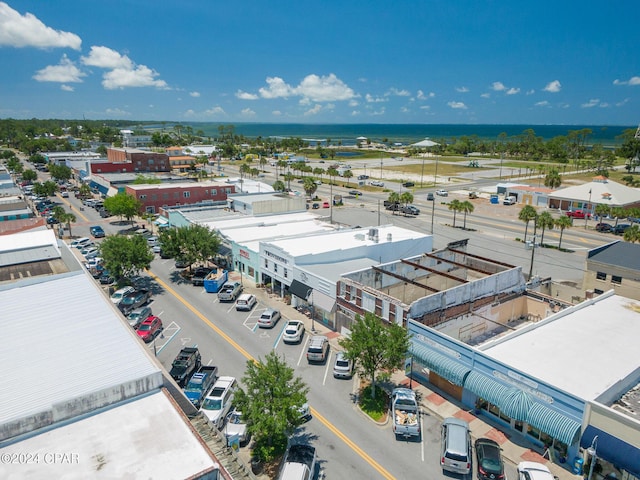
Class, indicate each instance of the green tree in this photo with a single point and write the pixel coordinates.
(192, 243)
(527, 214)
(394, 199)
(406, 198)
(466, 207)
(59, 172)
(146, 179)
(269, 403)
(125, 256)
(553, 179)
(123, 205)
(84, 190)
(602, 210)
(29, 175)
(374, 346)
(45, 189)
(632, 234)
(67, 218)
(562, 223)
(347, 174)
(454, 206)
(310, 186)
(279, 186)
(544, 221)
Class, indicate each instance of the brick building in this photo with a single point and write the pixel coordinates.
(156, 196)
(131, 160)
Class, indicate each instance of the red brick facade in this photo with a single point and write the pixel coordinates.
(153, 197)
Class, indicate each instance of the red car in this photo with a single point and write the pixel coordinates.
(150, 328)
(578, 214)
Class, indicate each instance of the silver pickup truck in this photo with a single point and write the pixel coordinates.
(230, 291)
(406, 413)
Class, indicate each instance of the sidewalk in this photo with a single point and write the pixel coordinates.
(514, 451)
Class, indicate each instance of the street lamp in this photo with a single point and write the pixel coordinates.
(433, 209)
(586, 213)
(592, 452)
(435, 175)
(422, 174)
(313, 310)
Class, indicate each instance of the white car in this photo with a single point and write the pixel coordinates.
(534, 471)
(218, 403)
(269, 318)
(442, 193)
(377, 183)
(293, 332)
(118, 294)
(236, 427)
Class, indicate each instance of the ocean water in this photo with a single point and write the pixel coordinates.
(407, 133)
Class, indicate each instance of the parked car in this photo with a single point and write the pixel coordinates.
(604, 227)
(410, 210)
(377, 183)
(442, 193)
(489, 460)
(138, 315)
(325, 204)
(106, 278)
(318, 349)
(236, 427)
(343, 367)
(97, 231)
(315, 206)
(269, 318)
(621, 228)
(133, 300)
(578, 214)
(81, 242)
(246, 302)
(534, 471)
(218, 403)
(355, 193)
(181, 263)
(150, 328)
(293, 332)
(430, 197)
(118, 294)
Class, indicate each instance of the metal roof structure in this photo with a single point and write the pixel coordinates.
(28, 247)
(600, 191)
(619, 254)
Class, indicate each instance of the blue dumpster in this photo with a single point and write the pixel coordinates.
(494, 199)
(578, 463)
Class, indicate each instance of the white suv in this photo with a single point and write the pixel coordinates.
(218, 403)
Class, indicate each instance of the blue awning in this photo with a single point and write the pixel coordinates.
(487, 388)
(517, 404)
(553, 423)
(440, 364)
(613, 450)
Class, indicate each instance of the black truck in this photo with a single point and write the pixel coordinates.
(186, 363)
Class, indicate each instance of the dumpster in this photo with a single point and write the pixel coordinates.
(494, 199)
(214, 280)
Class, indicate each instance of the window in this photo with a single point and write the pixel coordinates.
(601, 276)
(165, 196)
(186, 194)
(266, 263)
(143, 197)
(214, 192)
(154, 197)
(615, 279)
(286, 273)
(597, 291)
(150, 161)
(275, 267)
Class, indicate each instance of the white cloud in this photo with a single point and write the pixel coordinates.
(397, 93)
(189, 113)
(355, 113)
(324, 89)
(65, 72)
(623, 102)
(353, 103)
(371, 99)
(66, 88)
(277, 88)
(553, 87)
(276, 113)
(141, 76)
(543, 103)
(530, 92)
(246, 95)
(422, 96)
(633, 81)
(604, 105)
(405, 110)
(485, 95)
(462, 89)
(313, 111)
(498, 86)
(594, 102)
(116, 112)
(247, 112)
(377, 113)
(105, 57)
(194, 94)
(28, 31)
(457, 105)
(215, 111)
(425, 107)
(513, 91)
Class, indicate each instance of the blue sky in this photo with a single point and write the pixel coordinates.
(440, 61)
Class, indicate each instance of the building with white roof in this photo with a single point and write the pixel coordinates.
(600, 191)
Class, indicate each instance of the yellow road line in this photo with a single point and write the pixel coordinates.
(367, 458)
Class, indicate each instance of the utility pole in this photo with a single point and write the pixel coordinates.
(433, 209)
(533, 246)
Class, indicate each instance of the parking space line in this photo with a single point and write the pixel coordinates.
(173, 328)
(302, 351)
(279, 337)
(326, 370)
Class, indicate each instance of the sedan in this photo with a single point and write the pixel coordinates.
(408, 184)
(315, 206)
(139, 315)
(442, 193)
(604, 227)
(377, 183)
(133, 300)
(236, 427)
(489, 460)
(150, 328)
(269, 318)
(621, 228)
(325, 204)
(293, 332)
(355, 193)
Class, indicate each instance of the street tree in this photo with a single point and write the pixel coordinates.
(29, 175)
(394, 200)
(375, 346)
(454, 206)
(123, 205)
(46, 189)
(310, 186)
(544, 220)
(192, 243)
(84, 190)
(347, 174)
(406, 198)
(527, 214)
(602, 210)
(59, 172)
(124, 256)
(269, 403)
(279, 186)
(632, 234)
(562, 223)
(466, 207)
(553, 179)
(67, 218)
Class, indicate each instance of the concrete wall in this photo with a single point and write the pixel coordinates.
(614, 423)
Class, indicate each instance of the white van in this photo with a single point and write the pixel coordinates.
(456, 446)
(510, 200)
(246, 302)
(81, 242)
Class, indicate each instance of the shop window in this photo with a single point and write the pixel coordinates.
(165, 196)
(601, 276)
(214, 192)
(186, 194)
(533, 432)
(615, 279)
(251, 271)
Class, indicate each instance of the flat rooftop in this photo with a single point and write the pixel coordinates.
(585, 350)
(145, 438)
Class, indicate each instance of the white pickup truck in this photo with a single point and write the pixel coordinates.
(406, 413)
(230, 291)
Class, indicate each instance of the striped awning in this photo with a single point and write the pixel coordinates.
(487, 388)
(442, 365)
(553, 423)
(517, 404)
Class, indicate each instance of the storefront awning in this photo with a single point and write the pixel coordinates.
(485, 387)
(440, 364)
(553, 423)
(300, 290)
(161, 221)
(517, 404)
(612, 449)
(320, 300)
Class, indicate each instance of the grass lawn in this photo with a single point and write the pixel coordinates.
(377, 408)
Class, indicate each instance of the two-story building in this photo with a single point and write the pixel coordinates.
(156, 196)
(132, 160)
(614, 266)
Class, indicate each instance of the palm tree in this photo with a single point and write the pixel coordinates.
(406, 198)
(632, 234)
(68, 218)
(602, 210)
(310, 186)
(562, 223)
(394, 199)
(454, 206)
(544, 221)
(466, 207)
(527, 214)
(347, 174)
(553, 179)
